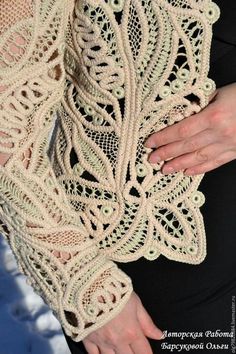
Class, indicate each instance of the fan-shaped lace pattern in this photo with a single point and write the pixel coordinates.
(113, 72)
(134, 67)
(51, 242)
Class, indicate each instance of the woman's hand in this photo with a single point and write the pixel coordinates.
(201, 142)
(126, 333)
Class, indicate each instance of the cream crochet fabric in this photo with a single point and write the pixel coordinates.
(113, 72)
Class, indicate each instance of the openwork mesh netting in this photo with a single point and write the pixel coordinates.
(112, 72)
(140, 66)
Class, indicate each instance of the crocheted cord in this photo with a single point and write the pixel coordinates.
(50, 241)
(133, 68)
(114, 72)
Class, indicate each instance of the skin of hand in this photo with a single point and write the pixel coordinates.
(126, 333)
(201, 142)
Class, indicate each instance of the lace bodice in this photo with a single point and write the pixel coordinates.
(112, 72)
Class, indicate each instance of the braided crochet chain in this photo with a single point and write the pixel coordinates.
(51, 242)
(132, 68)
(113, 72)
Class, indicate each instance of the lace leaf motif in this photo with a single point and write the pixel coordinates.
(143, 64)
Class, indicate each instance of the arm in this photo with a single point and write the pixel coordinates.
(49, 240)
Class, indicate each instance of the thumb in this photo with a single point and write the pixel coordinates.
(146, 323)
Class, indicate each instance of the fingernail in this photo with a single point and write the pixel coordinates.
(158, 158)
(154, 159)
(168, 169)
(150, 144)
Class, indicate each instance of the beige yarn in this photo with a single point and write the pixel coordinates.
(113, 72)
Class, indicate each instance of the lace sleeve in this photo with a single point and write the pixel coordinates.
(50, 241)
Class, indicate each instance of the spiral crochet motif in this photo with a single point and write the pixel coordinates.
(134, 67)
(112, 72)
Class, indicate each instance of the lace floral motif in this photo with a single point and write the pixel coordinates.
(50, 241)
(107, 74)
(134, 67)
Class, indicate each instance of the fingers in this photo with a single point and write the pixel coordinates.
(125, 330)
(141, 346)
(107, 350)
(125, 349)
(210, 156)
(147, 325)
(184, 129)
(182, 147)
(92, 348)
(208, 166)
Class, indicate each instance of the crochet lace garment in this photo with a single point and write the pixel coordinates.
(112, 72)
